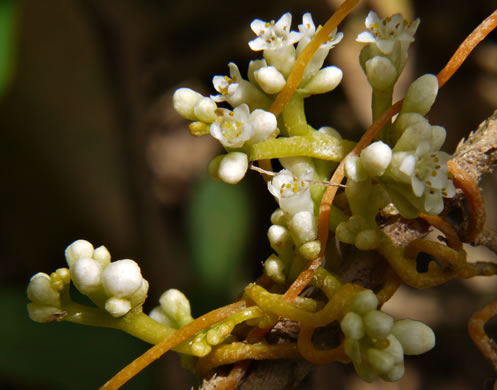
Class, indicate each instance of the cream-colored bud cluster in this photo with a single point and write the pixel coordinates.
(119, 282)
(376, 343)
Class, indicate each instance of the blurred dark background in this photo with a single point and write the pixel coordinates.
(92, 149)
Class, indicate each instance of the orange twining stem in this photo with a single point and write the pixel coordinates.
(170, 342)
(463, 51)
(446, 228)
(469, 186)
(476, 328)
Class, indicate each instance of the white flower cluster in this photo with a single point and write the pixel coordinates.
(44, 292)
(377, 344)
(93, 274)
(294, 223)
(249, 122)
(386, 53)
(414, 172)
(174, 309)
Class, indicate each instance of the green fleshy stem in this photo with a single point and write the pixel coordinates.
(381, 101)
(135, 323)
(314, 144)
(294, 116)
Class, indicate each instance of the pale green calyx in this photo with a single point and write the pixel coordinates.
(421, 95)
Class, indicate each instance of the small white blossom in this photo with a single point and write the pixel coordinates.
(385, 33)
(308, 31)
(234, 128)
(273, 35)
(236, 91)
(122, 278)
(292, 193)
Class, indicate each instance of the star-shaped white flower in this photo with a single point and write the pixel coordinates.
(308, 30)
(387, 31)
(273, 35)
(292, 193)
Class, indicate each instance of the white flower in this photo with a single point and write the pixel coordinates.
(234, 128)
(308, 30)
(236, 91)
(271, 35)
(292, 193)
(426, 170)
(384, 33)
(122, 278)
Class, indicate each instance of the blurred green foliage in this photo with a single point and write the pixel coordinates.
(8, 13)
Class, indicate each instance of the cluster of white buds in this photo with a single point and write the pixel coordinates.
(294, 223)
(386, 53)
(94, 275)
(44, 292)
(414, 172)
(376, 343)
(174, 309)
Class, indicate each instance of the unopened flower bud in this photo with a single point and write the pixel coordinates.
(274, 268)
(205, 110)
(421, 95)
(86, 275)
(122, 278)
(117, 307)
(232, 167)
(44, 313)
(352, 326)
(381, 73)
(376, 157)
(176, 306)
(40, 290)
(303, 227)
(416, 338)
(184, 101)
(270, 79)
(378, 324)
(102, 256)
(326, 80)
(77, 250)
(364, 302)
(310, 250)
